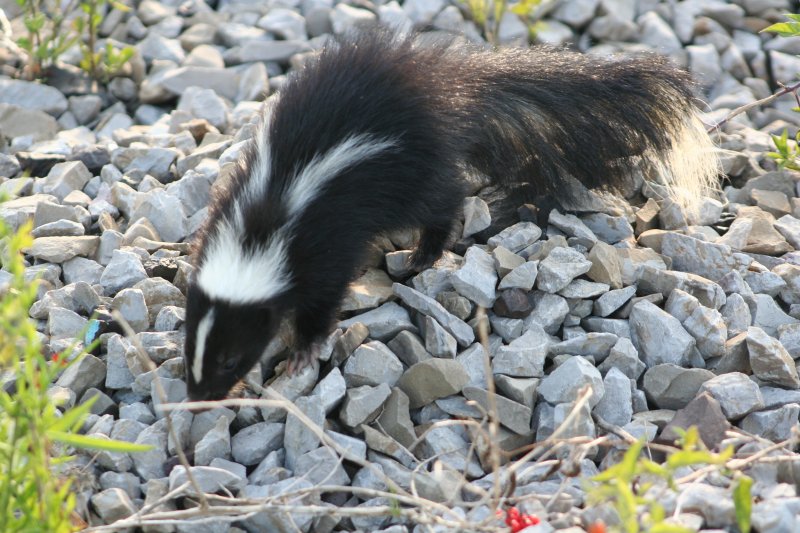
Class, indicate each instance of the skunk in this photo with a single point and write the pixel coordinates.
(375, 134)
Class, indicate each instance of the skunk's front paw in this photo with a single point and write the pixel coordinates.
(300, 359)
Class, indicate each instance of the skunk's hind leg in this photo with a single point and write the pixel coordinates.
(438, 222)
(432, 243)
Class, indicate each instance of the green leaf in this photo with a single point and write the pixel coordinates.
(666, 527)
(689, 458)
(651, 467)
(743, 502)
(93, 443)
(126, 54)
(41, 51)
(35, 23)
(794, 17)
(784, 29)
(525, 7)
(74, 416)
(120, 6)
(25, 44)
(780, 141)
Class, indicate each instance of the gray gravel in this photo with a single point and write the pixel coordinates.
(664, 320)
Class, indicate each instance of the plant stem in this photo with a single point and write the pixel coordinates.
(92, 38)
(751, 105)
(5, 512)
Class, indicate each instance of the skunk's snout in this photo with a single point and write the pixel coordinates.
(199, 393)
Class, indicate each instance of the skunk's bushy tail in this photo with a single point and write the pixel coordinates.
(531, 119)
(539, 115)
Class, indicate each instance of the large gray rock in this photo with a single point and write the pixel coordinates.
(477, 278)
(123, 271)
(559, 268)
(776, 424)
(165, 212)
(66, 177)
(624, 357)
(131, 305)
(736, 393)
(768, 315)
(439, 342)
(549, 311)
(60, 249)
(363, 404)
(214, 444)
(613, 300)
(571, 225)
(87, 373)
(523, 357)
(395, 418)
(159, 293)
(672, 387)
(706, 259)
(150, 464)
(522, 277)
(372, 364)
(253, 443)
(112, 504)
(285, 23)
(517, 237)
(430, 307)
(709, 331)
(298, 437)
(371, 290)
(513, 415)
(565, 382)
(432, 379)
(31, 95)
(208, 478)
(616, 405)
(384, 322)
(476, 216)
(770, 361)
(330, 390)
(658, 336)
(597, 345)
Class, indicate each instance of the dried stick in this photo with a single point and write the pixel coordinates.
(747, 107)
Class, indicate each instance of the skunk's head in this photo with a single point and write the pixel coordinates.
(223, 342)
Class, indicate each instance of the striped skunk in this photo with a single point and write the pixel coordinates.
(374, 134)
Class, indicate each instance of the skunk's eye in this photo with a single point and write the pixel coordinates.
(230, 365)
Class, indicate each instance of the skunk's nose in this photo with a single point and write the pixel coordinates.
(199, 393)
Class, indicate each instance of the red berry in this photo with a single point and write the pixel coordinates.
(596, 527)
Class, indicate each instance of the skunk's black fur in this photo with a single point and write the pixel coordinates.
(419, 112)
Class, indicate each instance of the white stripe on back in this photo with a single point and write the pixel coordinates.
(258, 180)
(310, 181)
(203, 329)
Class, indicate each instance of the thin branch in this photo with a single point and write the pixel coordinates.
(747, 107)
(150, 366)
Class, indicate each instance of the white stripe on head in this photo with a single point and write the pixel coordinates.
(309, 182)
(203, 329)
(232, 274)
